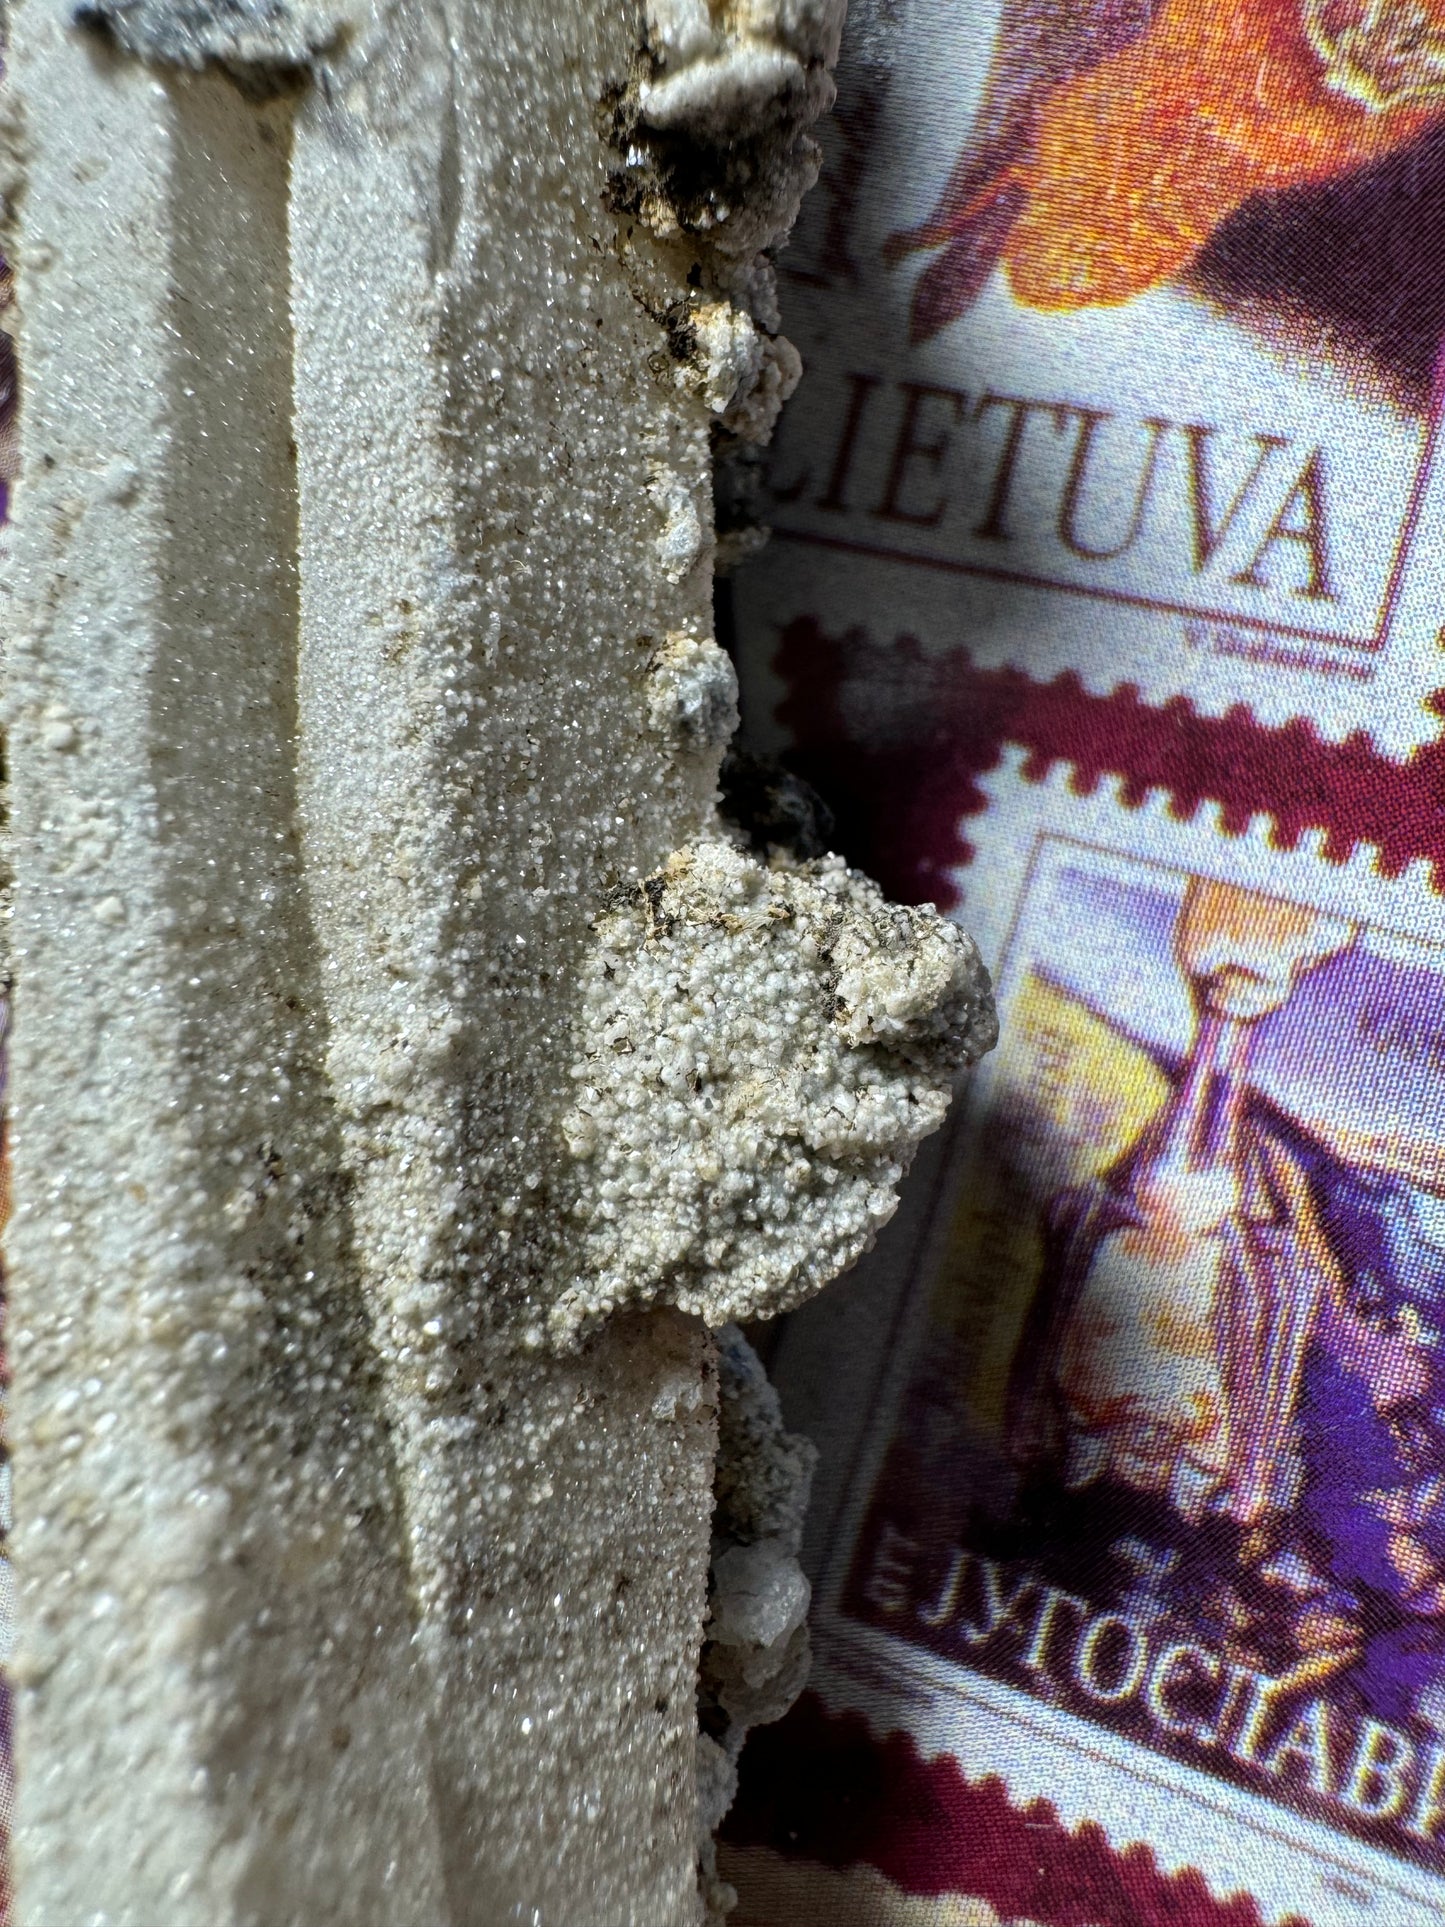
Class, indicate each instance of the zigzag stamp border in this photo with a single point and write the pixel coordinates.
(821, 1786)
(903, 785)
(1103, 809)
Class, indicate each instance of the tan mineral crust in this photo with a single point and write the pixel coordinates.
(409, 1066)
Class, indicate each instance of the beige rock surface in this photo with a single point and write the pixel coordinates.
(359, 658)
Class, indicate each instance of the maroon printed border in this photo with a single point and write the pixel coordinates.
(902, 784)
(818, 1786)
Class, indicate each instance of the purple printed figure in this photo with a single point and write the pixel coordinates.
(1190, 1290)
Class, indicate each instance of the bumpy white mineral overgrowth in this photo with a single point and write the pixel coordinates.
(763, 1048)
(360, 689)
(755, 1656)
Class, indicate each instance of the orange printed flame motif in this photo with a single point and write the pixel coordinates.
(1130, 165)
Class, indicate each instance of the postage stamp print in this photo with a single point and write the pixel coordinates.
(1155, 1506)
(1105, 606)
(1072, 422)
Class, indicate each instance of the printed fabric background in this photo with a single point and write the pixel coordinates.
(1104, 607)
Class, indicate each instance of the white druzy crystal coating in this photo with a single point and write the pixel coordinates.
(762, 1048)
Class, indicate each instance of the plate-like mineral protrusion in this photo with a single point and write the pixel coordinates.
(761, 1050)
